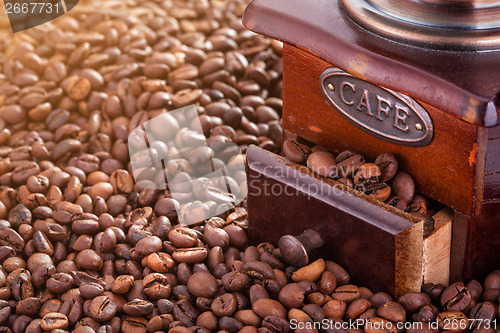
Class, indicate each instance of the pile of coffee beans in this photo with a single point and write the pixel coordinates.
(86, 246)
(381, 179)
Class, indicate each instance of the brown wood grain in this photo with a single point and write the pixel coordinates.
(437, 249)
(444, 170)
(409, 259)
(492, 178)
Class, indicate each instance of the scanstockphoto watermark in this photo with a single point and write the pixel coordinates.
(172, 152)
(387, 326)
(292, 185)
(357, 324)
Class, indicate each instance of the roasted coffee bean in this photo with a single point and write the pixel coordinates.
(59, 283)
(380, 298)
(356, 308)
(122, 284)
(346, 293)
(237, 236)
(230, 324)
(484, 311)
(349, 166)
(91, 290)
(160, 262)
(490, 295)
(134, 324)
(207, 320)
(185, 312)
(21, 285)
(426, 314)
(161, 322)
(224, 305)
(102, 308)
(5, 311)
(190, 255)
(148, 245)
(403, 186)
(392, 311)
(365, 293)
(72, 309)
(268, 307)
(397, 202)
(295, 151)
(492, 281)
(28, 306)
(310, 272)
(322, 163)
(138, 308)
(388, 166)
(292, 295)
(475, 289)
(412, 302)
(315, 312)
(182, 237)
(258, 270)
(216, 237)
(335, 309)
(202, 284)
(367, 173)
(434, 290)
(340, 273)
(156, 286)
(52, 321)
(89, 259)
(235, 281)
(327, 282)
(456, 297)
(77, 88)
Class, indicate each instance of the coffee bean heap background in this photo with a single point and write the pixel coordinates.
(83, 248)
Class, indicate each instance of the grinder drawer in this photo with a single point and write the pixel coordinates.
(378, 244)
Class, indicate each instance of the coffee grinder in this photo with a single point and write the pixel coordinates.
(427, 73)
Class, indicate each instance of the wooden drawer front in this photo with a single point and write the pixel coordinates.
(380, 249)
(443, 170)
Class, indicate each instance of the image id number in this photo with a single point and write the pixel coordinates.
(32, 8)
(450, 325)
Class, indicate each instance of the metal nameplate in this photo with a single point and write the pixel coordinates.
(384, 113)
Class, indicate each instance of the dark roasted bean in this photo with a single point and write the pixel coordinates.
(456, 297)
(53, 320)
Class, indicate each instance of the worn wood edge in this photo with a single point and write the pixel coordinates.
(409, 245)
(437, 249)
(460, 229)
(480, 163)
